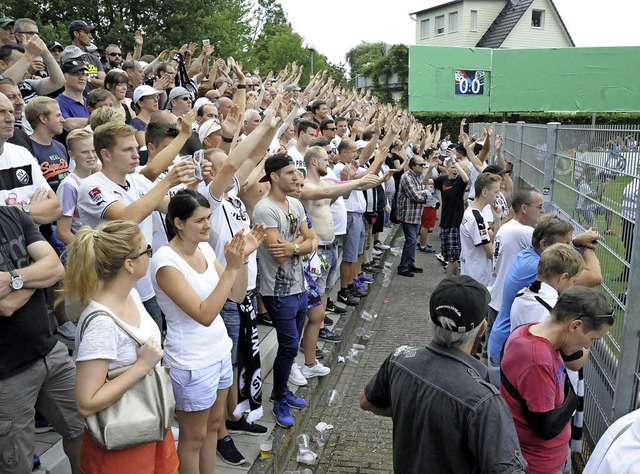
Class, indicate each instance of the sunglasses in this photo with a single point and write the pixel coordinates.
(598, 316)
(539, 206)
(115, 54)
(293, 223)
(332, 129)
(148, 251)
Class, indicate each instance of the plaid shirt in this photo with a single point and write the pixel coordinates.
(409, 203)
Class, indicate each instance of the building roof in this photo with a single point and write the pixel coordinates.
(506, 21)
(443, 4)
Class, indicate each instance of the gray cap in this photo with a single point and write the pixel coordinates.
(292, 88)
(71, 52)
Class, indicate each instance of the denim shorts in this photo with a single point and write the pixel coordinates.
(231, 317)
(353, 244)
(196, 390)
(330, 269)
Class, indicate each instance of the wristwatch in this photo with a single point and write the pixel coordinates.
(16, 282)
(26, 209)
(296, 250)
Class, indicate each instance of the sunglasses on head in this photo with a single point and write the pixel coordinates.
(293, 223)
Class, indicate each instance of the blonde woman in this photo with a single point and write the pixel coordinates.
(102, 268)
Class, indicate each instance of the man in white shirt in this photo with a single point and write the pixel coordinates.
(476, 239)
(306, 134)
(117, 192)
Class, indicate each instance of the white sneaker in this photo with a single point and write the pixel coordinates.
(376, 253)
(68, 330)
(296, 377)
(381, 246)
(317, 370)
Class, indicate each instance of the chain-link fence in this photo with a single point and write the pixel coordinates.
(591, 176)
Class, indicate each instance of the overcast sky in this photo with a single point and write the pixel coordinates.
(333, 27)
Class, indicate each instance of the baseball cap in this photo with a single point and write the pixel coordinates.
(92, 48)
(360, 144)
(6, 21)
(53, 45)
(177, 92)
(207, 128)
(459, 304)
(144, 91)
(275, 163)
(79, 25)
(73, 66)
(292, 88)
(71, 52)
(494, 169)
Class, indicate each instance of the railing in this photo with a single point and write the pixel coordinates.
(558, 160)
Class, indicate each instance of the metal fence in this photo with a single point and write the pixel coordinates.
(566, 163)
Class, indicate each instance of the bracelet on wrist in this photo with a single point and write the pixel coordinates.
(241, 86)
(227, 139)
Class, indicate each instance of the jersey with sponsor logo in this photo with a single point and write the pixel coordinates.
(20, 175)
(474, 235)
(97, 193)
(54, 162)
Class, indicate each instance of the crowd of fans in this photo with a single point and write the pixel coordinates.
(256, 198)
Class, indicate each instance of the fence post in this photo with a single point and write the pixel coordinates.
(517, 151)
(549, 162)
(625, 397)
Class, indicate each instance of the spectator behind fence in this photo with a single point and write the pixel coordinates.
(446, 418)
(103, 267)
(533, 378)
(522, 272)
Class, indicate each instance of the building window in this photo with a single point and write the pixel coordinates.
(537, 19)
(473, 20)
(440, 25)
(453, 22)
(424, 29)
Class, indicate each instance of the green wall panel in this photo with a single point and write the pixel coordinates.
(565, 79)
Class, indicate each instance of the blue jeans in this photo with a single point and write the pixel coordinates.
(288, 314)
(408, 259)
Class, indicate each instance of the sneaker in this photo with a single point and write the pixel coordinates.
(358, 285)
(380, 246)
(348, 299)
(317, 370)
(364, 278)
(358, 293)
(283, 414)
(42, 425)
(293, 401)
(328, 336)
(332, 308)
(264, 319)
(228, 451)
(328, 321)
(425, 249)
(375, 252)
(405, 273)
(319, 354)
(296, 377)
(242, 426)
(370, 268)
(415, 269)
(68, 330)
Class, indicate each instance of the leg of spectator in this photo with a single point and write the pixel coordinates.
(215, 421)
(310, 335)
(193, 431)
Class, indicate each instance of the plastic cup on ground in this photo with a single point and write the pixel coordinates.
(266, 445)
(303, 442)
(332, 397)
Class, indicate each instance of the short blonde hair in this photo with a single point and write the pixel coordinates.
(558, 259)
(77, 135)
(105, 136)
(36, 107)
(105, 115)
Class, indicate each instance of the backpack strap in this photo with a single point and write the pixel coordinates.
(91, 316)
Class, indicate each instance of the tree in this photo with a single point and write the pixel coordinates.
(364, 54)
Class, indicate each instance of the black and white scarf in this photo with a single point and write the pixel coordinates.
(249, 371)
